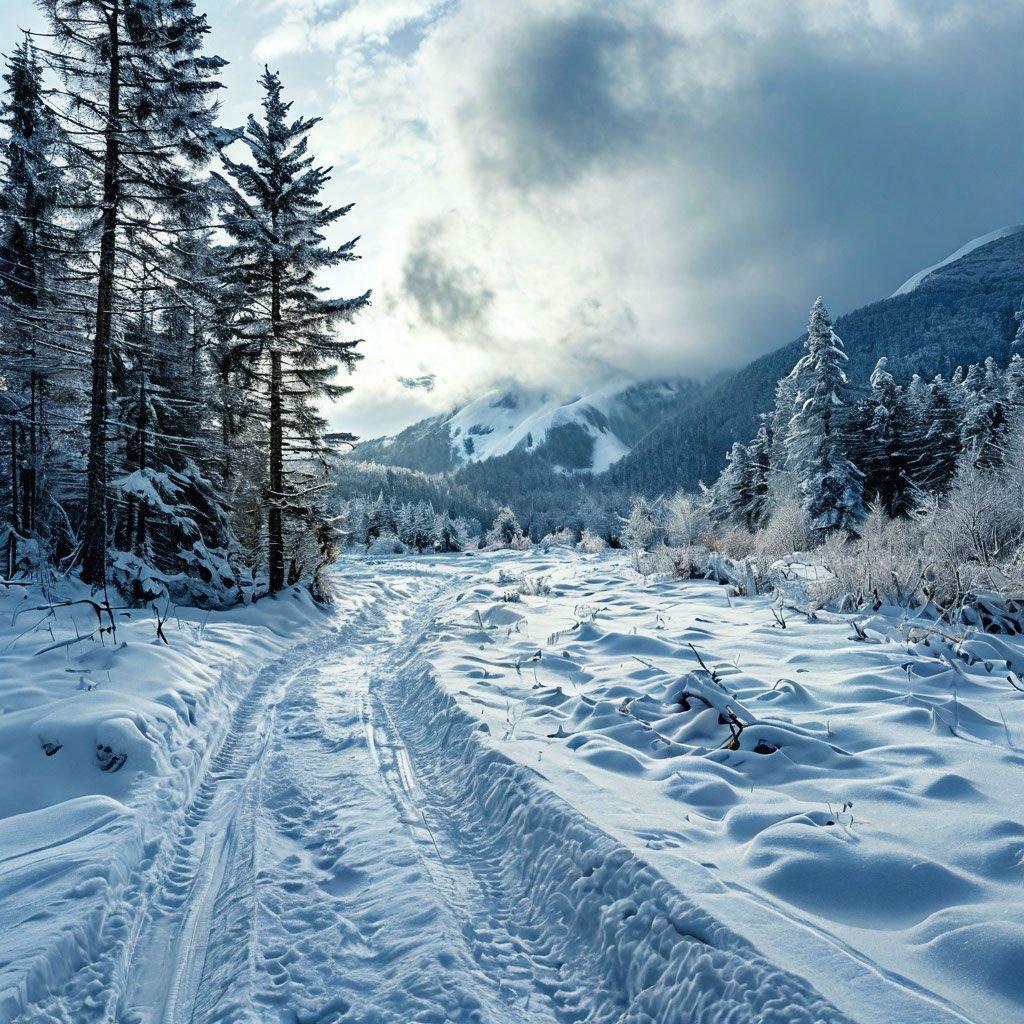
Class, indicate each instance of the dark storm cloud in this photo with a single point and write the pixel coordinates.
(836, 162)
(562, 100)
(448, 297)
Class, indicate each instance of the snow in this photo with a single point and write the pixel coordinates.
(500, 787)
(976, 243)
(906, 906)
(97, 741)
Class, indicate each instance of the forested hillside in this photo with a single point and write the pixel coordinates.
(959, 314)
(582, 434)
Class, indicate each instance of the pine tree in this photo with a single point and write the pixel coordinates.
(887, 462)
(506, 531)
(450, 534)
(759, 455)
(137, 98)
(733, 492)
(277, 223)
(41, 319)
(937, 456)
(984, 426)
(1015, 383)
(830, 485)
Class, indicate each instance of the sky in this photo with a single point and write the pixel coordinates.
(565, 192)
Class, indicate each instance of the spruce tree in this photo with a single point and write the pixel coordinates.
(136, 95)
(984, 426)
(887, 462)
(733, 492)
(759, 454)
(276, 220)
(830, 485)
(937, 456)
(1015, 383)
(41, 337)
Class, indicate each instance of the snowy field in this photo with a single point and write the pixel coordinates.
(509, 788)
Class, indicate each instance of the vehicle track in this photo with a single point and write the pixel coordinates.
(331, 869)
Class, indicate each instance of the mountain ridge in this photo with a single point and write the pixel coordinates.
(955, 312)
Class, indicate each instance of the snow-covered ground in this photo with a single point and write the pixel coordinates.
(874, 847)
(499, 788)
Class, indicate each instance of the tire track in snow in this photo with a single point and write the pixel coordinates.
(339, 863)
(152, 938)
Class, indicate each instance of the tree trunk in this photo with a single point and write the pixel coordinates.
(275, 525)
(94, 556)
(227, 431)
(15, 505)
(143, 426)
(275, 530)
(29, 470)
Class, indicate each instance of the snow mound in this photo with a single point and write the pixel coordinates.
(846, 800)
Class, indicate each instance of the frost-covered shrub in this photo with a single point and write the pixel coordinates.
(172, 537)
(642, 529)
(592, 543)
(735, 544)
(884, 565)
(564, 538)
(785, 533)
(212, 580)
(688, 563)
(981, 520)
(534, 586)
(506, 531)
(386, 544)
(687, 520)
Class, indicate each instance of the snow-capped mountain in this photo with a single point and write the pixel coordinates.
(584, 434)
(956, 312)
(917, 279)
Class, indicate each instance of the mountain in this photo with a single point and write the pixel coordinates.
(954, 313)
(585, 435)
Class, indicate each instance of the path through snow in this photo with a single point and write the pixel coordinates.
(352, 852)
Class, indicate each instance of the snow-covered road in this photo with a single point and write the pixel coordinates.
(353, 852)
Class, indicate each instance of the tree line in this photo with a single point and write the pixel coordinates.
(893, 446)
(165, 343)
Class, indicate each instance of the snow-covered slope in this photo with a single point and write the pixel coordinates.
(975, 243)
(849, 804)
(584, 434)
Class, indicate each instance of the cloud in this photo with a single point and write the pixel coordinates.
(424, 383)
(451, 298)
(563, 191)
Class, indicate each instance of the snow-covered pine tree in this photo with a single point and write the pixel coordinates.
(984, 426)
(781, 416)
(450, 534)
(886, 462)
(732, 495)
(170, 521)
(136, 100)
(277, 221)
(423, 526)
(506, 531)
(42, 319)
(937, 452)
(1015, 384)
(759, 456)
(830, 485)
